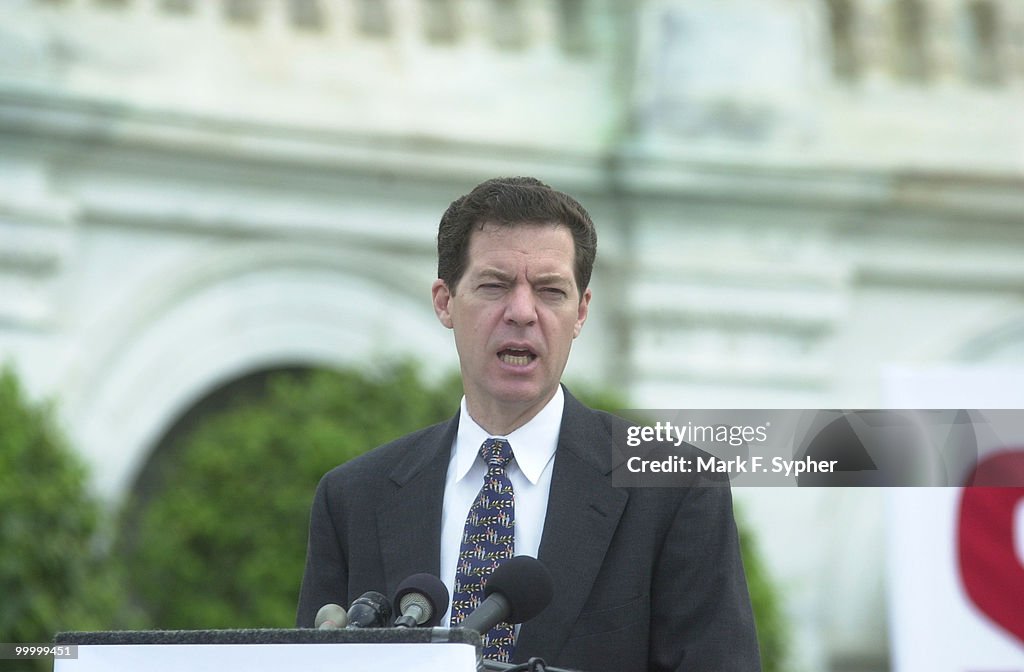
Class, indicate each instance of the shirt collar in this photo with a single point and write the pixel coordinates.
(533, 444)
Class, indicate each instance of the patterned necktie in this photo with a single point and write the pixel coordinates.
(487, 541)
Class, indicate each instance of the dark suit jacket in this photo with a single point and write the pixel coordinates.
(645, 578)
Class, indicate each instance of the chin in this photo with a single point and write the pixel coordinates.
(520, 394)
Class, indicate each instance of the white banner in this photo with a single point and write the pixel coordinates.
(956, 556)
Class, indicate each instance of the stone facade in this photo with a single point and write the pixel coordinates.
(792, 196)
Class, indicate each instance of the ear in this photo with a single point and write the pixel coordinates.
(442, 297)
(582, 312)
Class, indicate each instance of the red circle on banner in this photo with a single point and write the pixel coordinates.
(991, 571)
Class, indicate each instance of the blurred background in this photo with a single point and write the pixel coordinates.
(217, 223)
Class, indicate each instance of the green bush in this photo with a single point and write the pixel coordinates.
(55, 573)
(771, 624)
(221, 543)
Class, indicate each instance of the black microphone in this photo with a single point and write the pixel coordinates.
(517, 590)
(421, 600)
(371, 610)
(331, 617)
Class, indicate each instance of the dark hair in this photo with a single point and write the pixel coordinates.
(511, 201)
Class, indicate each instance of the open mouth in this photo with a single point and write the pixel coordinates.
(516, 356)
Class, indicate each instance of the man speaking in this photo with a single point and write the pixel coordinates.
(644, 578)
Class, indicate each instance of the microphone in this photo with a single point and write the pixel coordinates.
(331, 617)
(517, 590)
(371, 610)
(421, 600)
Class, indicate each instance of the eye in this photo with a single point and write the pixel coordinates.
(491, 287)
(554, 292)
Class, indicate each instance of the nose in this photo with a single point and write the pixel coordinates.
(521, 308)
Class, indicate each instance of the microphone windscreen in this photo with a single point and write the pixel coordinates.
(429, 586)
(331, 617)
(525, 583)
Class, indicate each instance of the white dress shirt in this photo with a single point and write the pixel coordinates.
(533, 448)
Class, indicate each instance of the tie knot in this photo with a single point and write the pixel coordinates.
(496, 453)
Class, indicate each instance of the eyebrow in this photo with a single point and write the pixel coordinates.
(550, 279)
(540, 279)
(491, 272)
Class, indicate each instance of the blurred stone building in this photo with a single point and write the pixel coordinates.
(792, 196)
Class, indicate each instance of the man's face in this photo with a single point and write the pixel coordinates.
(515, 312)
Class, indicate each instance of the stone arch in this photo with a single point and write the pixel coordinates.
(226, 315)
(148, 478)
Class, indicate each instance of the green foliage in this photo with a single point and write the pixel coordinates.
(772, 630)
(221, 543)
(54, 572)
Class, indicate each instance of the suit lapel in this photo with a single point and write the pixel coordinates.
(582, 515)
(409, 515)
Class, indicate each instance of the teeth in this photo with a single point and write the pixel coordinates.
(515, 360)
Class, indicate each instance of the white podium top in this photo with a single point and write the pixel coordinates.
(269, 657)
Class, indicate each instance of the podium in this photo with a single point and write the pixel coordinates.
(277, 650)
